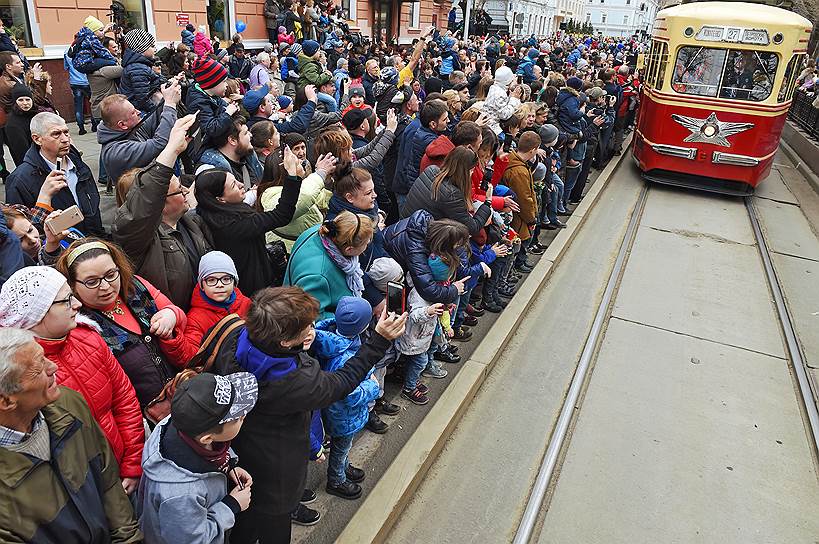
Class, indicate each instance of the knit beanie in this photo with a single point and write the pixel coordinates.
(190, 28)
(548, 133)
(208, 73)
(284, 101)
(20, 90)
(282, 30)
(440, 270)
(433, 85)
(310, 47)
(533, 53)
(353, 119)
(384, 270)
(295, 49)
(214, 262)
(93, 24)
(504, 76)
(284, 46)
(254, 99)
(27, 296)
(575, 83)
(139, 40)
(353, 314)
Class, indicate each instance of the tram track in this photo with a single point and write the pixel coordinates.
(538, 502)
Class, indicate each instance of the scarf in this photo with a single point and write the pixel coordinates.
(219, 456)
(266, 368)
(228, 302)
(348, 265)
(338, 205)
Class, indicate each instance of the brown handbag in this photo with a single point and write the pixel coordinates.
(159, 408)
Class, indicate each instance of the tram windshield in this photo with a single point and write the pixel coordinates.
(726, 73)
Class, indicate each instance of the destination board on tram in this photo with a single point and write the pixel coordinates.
(753, 36)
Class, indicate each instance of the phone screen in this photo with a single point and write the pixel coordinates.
(193, 130)
(59, 163)
(395, 298)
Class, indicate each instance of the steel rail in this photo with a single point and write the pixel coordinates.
(797, 362)
(547, 467)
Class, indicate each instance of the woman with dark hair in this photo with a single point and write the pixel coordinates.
(138, 323)
(313, 197)
(446, 192)
(237, 228)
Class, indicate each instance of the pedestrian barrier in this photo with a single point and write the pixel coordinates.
(804, 114)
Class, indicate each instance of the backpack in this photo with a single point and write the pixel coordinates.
(159, 408)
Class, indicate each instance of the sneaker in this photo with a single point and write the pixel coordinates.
(492, 306)
(375, 424)
(308, 497)
(346, 490)
(524, 267)
(513, 280)
(437, 373)
(462, 335)
(93, 128)
(415, 397)
(571, 163)
(560, 225)
(387, 408)
(507, 292)
(305, 516)
(475, 297)
(447, 356)
(422, 388)
(561, 210)
(470, 320)
(472, 310)
(354, 474)
(82, 131)
(452, 348)
(536, 249)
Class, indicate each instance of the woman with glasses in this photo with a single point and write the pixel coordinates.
(216, 295)
(140, 325)
(38, 299)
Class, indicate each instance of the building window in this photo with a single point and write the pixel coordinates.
(415, 14)
(15, 21)
(625, 20)
(603, 20)
(588, 17)
(628, 2)
(218, 19)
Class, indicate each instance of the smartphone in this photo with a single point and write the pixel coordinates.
(488, 174)
(193, 130)
(396, 301)
(70, 217)
(59, 163)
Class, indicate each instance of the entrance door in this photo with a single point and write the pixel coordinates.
(382, 20)
(218, 19)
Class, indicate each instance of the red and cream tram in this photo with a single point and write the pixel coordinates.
(717, 85)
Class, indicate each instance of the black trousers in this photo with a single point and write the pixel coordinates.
(3, 171)
(255, 524)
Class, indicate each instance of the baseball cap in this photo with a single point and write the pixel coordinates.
(207, 400)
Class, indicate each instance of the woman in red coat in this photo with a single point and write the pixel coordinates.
(38, 299)
(215, 296)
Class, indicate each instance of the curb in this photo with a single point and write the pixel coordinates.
(375, 517)
(801, 167)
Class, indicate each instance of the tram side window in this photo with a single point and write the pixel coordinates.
(662, 60)
(697, 70)
(749, 75)
(792, 72)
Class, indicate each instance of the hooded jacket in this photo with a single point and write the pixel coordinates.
(77, 497)
(418, 336)
(499, 106)
(313, 198)
(139, 81)
(412, 167)
(349, 415)
(177, 504)
(274, 444)
(311, 72)
(213, 118)
(449, 203)
(436, 152)
(89, 53)
(18, 132)
(569, 115)
(202, 45)
(86, 365)
(123, 150)
(104, 82)
(187, 37)
(518, 177)
(24, 183)
(405, 241)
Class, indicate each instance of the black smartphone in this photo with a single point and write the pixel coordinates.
(396, 300)
(193, 130)
(488, 173)
(59, 163)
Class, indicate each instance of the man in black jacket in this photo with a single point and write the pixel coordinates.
(52, 143)
(274, 443)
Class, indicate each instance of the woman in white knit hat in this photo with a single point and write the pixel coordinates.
(38, 298)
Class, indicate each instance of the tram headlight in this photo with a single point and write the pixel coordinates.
(709, 130)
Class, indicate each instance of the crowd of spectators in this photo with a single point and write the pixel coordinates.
(296, 187)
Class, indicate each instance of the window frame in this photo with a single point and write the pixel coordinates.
(792, 71)
(723, 67)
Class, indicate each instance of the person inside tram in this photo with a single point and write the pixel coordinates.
(739, 75)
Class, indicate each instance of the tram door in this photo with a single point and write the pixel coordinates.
(382, 20)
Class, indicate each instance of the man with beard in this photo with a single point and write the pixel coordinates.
(234, 153)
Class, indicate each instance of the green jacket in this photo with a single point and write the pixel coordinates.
(312, 269)
(311, 72)
(313, 199)
(77, 497)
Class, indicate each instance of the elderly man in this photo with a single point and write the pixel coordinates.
(73, 180)
(129, 140)
(59, 480)
(259, 74)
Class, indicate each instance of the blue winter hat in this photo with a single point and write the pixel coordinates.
(353, 314)
(449, 42)
(389, 75)
(284, 101)
(310, 47)
(575, 83)
(440, 270)
(533, 53)
(254, 99)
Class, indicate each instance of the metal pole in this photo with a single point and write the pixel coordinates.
(466, 18)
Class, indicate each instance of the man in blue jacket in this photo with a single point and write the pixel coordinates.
(434, 118)
(527, 66)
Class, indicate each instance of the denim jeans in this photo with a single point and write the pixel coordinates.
(579, 151)
(81, 92)
(339, 459)
(415, 365)
(571, 178)
(550, 199)
(463, 302)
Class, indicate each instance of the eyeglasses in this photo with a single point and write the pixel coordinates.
(94, 283)
(68, 301)
(212, 281)
(181, 191)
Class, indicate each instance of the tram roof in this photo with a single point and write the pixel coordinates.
(738, 13)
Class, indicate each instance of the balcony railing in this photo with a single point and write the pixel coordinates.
(804, 114)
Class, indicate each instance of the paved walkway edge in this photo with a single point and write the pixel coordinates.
(375, 517)
(801, 167)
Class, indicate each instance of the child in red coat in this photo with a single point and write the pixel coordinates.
(215, 296)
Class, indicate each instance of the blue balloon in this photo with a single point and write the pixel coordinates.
(240, 26)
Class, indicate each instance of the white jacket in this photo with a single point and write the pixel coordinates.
(499, 106)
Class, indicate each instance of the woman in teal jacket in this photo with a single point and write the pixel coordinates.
(324, 260)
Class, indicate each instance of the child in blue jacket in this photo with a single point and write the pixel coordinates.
(337, 340)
